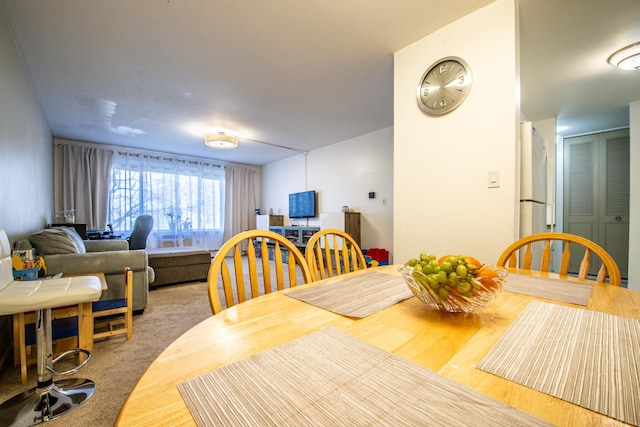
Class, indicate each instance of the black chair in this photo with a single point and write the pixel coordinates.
(141, 229)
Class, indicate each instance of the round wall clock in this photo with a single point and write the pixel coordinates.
(444, 86)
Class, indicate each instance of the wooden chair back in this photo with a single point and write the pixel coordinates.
(509, 257)
(331, 252)
(115, 317)
(241, 252)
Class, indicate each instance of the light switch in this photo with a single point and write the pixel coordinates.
(493, 179)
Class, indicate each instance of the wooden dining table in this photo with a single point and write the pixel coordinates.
(449, 344)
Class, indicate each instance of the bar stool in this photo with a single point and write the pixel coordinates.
(49, 399)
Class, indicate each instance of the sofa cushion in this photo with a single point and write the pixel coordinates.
(75, 237)
(52, 241)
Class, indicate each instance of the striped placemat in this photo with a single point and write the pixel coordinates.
(329, 378)
(549, 288)
(588, 358)
(357, 296)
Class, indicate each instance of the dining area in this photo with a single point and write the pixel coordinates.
(362, 347)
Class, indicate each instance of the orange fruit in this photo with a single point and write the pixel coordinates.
(486, 272)
(473, 261)
(442, 258)
(485, 276)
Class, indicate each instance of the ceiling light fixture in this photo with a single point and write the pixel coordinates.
(627, 58)
(221, 140)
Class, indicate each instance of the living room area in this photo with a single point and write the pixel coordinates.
(28, 203)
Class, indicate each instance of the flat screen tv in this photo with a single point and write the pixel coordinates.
(302, 205)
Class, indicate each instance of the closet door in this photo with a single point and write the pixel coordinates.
(614, 203)
(596, 193)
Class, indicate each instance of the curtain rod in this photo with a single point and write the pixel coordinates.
(150, 154)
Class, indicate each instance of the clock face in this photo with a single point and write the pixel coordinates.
(444, 86)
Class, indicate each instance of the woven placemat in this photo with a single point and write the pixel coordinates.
(549, 288)
(584, 357)
(329, 378)
(357, 296)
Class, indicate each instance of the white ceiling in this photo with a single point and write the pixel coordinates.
(156, 74)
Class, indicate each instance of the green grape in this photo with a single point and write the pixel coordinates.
(434, 283)
(442, 277)
(412, 262)
(461, 270)
(452, 259)
(446, 267)
(463, 287)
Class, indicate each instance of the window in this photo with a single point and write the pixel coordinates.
(185, 198)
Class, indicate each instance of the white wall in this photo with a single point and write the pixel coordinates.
(341, 174)
(26, 199)
(634, 195)
(441, 164)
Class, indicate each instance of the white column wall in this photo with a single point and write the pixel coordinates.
(442, 200)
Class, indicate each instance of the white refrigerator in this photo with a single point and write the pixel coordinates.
(533, 181)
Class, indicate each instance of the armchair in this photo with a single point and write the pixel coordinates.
(141, 229)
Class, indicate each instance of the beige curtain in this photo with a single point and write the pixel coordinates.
(83, 177)
(240, 201)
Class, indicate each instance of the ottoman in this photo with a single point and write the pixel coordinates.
(174, 265)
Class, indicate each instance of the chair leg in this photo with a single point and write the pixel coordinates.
(48, 400)
(19, 348)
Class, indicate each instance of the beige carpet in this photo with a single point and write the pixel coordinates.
(117, 363)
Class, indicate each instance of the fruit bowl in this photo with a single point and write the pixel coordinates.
(455, 293)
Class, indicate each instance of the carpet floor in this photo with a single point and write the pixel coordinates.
(117, 363)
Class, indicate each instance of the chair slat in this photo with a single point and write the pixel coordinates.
(253, 270)
(546, 256)
(528, 256)
(566, 259)
(237, 268)
(585, 264)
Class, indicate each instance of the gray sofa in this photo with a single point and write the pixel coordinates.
(65, 253)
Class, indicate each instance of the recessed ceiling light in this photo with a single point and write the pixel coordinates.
(221, 140)
(627, 58)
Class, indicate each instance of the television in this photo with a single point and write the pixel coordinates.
(302, 205)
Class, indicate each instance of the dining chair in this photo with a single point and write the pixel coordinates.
(525, 246)
(331, 252)
(252, 257)
(115, 316)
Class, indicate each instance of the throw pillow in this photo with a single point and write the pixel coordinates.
(52, 241)
(75, 237)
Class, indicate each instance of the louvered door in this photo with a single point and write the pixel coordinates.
(596, 192)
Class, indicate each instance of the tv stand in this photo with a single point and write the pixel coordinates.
(296, 234)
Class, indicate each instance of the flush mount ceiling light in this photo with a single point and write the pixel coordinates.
(627, 58)
(221, 140)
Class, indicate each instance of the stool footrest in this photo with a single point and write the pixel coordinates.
(68, 353)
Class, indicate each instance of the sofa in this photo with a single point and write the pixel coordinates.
(65, 252)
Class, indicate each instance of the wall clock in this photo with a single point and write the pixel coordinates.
(444, 86)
